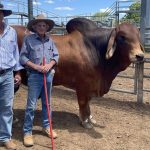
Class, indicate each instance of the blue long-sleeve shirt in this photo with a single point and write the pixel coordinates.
(9, 53)
(34, 49)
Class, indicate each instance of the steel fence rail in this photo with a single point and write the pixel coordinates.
(138, 78)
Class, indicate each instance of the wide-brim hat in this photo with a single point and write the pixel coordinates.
(40, 18)
(5, 11)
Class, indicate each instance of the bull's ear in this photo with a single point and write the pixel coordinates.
(111, 44)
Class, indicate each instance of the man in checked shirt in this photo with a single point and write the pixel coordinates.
(35, 47)
(9, 62)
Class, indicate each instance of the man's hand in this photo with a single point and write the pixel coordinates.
(38, 68)
(41, 68)
(46, 68)
(17, 79)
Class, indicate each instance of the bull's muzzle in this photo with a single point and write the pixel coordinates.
(139, 57)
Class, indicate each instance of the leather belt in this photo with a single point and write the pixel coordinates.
(4, 71)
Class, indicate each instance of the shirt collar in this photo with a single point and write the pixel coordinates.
(6, 28)
(38, 37)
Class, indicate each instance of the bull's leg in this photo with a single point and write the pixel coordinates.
(84, 110)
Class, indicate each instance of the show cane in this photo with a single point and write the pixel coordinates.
(48, 107)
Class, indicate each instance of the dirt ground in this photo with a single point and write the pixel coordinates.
(122, 124)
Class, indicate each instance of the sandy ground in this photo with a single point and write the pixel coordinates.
(122, 124)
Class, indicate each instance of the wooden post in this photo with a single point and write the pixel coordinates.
(135, 78)
(140, 82)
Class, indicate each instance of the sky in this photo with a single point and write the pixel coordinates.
(61, 8)
(64, 7)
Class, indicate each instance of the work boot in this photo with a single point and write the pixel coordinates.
(46, 131)
(28, 140)
(10, 145)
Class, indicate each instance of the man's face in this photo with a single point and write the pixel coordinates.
(1, 16)
(41, 28)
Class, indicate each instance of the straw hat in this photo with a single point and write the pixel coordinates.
(40, 18)
(5, 11)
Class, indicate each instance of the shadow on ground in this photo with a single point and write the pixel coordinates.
(61, 121)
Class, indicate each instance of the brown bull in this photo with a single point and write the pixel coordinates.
(90, 60)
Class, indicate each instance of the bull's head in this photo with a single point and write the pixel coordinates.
(126, 39)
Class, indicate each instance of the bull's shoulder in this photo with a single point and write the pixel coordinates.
(19, 28)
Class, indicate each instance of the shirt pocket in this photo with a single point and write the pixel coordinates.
(9, 47)
(36, 55)
(48, 55)
(11, 44)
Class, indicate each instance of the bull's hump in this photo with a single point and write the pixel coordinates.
(81, 24)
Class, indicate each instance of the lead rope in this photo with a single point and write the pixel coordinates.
(48, 107)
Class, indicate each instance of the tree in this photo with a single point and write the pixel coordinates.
(100, 14)
(133, 16)
(102, 19)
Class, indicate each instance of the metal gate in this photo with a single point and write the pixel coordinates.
(138, 78)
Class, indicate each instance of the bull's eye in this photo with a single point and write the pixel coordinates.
(121, 39)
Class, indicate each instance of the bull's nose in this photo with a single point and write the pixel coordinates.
(140, 57)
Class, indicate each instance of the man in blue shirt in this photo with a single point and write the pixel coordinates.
(9, 62)
(35, 47)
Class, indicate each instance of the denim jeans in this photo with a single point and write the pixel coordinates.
(6, 104)
(35, 88)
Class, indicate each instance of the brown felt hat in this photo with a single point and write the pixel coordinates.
(40, 18)
(5, 11)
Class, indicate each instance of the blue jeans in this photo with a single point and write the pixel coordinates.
(6, 105)
(35, 88)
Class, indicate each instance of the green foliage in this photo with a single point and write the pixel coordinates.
(133, 16)
(100, 14)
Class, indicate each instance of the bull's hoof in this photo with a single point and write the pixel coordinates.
(91, 120)
(86, 124)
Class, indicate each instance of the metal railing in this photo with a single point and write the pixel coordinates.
(147, 39)
(112, 17)
(138, 78)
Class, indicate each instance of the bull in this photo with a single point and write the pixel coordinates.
(91, 58)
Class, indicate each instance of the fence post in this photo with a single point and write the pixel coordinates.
(140, 66)
(135, 78)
